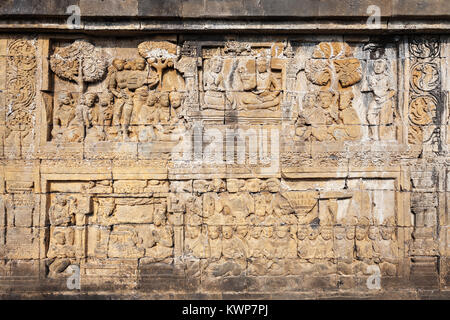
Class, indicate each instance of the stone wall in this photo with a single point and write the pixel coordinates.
(216, 165)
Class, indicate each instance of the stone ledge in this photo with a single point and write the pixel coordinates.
(167, 26)
(263, 9)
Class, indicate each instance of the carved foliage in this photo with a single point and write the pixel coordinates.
(80, 62)
(21, 84)
(425, 96)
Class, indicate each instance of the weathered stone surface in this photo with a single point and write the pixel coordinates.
(209, 165)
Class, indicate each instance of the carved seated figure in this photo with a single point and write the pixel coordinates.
(195, 243)
(61, 249)
(344, 248)
(149, 112)
(258, 264)
(267, 86)
(266, 96)
(66, 128)
(162, 234)
(234, 255)
(319, 115)
(124, 242)
(62, 213)
(61, 243)
(214, 252)
(349, 127)
(388, 249)
(91, 118)
(106, 106)
(171, 126)
(366, 252)
(213, 81)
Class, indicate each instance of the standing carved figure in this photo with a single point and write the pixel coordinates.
(381, 109)
(118, 86)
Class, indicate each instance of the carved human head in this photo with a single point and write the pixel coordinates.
(345, 99)
(313, 232)
(235, 185)
(273, 185)
(387, 230)
(60, 238)
(216, 65)
(152, 99)
(253, 185)
(247, 74)
(309, 100)
(380, 66)
(350, 233)
(164, 100)
(227, 232)
(119, 64)
(175, 99)
(339, 232)
(61, 201)
(193, 231)
(268, 232)
(242, 231)
(226, 210)
(159, 216)
(90, 99)
(362, 229)
(213, 232)
(218, 185)
(373, 233)
(106, 99)
(139, 64)
(261, 65)
(255, 232)
(302, 232)
(282, 231)
(129, 65)
(326, 232)
(65, 98)
(325, 99)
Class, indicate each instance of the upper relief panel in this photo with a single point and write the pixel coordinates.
(346, 93)
(322, 96)
(132, 92)
(243, 79)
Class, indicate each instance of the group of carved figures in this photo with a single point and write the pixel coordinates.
(142, 103)
(327, 112)
(252, 227)
(293, 249)
(251, 84)
(144, 96)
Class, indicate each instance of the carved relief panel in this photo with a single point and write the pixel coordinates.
(20, 61)
(346, 92)
(223, 159)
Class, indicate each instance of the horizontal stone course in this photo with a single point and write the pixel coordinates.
(262, 9)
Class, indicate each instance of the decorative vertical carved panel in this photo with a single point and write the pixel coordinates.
(426, 105)
(21, 80)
